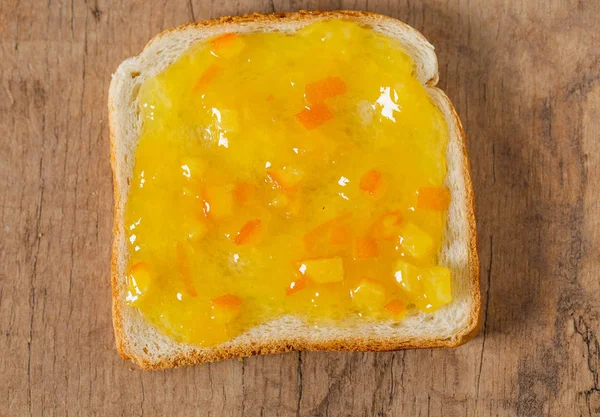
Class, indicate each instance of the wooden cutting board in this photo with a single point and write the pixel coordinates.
(525, 79)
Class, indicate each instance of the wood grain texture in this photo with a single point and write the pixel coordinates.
(525, 79)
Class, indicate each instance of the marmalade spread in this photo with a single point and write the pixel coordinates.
(286, 174)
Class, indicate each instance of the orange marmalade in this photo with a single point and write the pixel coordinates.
(287, 174)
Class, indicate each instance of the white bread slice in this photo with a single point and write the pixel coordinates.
(450, 326)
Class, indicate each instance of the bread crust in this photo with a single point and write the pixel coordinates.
(271, 346)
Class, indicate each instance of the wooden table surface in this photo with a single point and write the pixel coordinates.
(525, 79)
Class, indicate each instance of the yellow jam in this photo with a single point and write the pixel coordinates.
(286, 174)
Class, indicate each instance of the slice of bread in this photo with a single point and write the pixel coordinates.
(450, 326)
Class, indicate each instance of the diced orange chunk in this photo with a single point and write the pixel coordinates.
(365, 247)
(372, 183)
(437, 283)
(207, 77)
(322, 232)
(297, 285)
(218, 202)
(323, 270)
(408, 276)
(225, 308)
(242, 192)
(394, 307)
(184, 270)
(417, 242)
(327, 87)
(249, 233)
(314, 116)
(388, 225)
(286, 177)
(227, 301)
(369, 295)
(340, 235)
(433, 198)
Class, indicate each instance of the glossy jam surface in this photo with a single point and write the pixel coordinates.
(286, 174)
